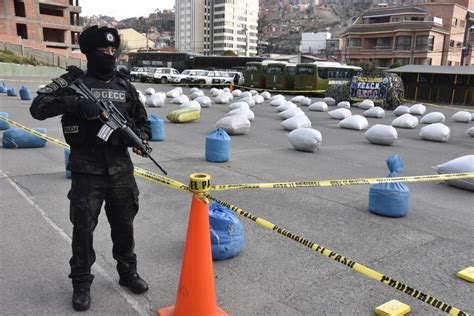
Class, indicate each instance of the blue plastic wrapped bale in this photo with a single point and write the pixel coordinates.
(157, 127)
(3, 88)
(67, 152)
(227, 232)
(24, 93)
(11, 92)
(4, 125)
(18, 138)
(390, 199)
(217, 146)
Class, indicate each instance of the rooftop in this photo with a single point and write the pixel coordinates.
(446, 70)
(379, 12)
(395, 26)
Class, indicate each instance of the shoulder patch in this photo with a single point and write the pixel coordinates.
(61, 82)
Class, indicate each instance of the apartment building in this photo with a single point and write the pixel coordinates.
(434, 33)
(214, 27)
(39, 23)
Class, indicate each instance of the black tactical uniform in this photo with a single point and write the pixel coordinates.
(101, 171)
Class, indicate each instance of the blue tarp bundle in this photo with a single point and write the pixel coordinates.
(217, 146)
(18, 138)
(157, 127)
(24, 93)
(4, 125)
(227, 232)
(390, 199)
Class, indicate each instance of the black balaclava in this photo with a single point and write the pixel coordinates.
(99, 65)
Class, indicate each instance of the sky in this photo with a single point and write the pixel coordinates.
(123, 9)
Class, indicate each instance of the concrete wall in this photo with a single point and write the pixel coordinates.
(7, 69)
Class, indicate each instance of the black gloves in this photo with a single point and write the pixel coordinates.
(88, 109)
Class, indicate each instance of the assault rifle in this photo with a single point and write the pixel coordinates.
(113, 120)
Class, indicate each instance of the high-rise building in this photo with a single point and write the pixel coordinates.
(214, 27)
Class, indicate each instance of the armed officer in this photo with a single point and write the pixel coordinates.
(101, 171)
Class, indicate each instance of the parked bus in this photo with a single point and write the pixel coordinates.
(254, 74)
(318, 76)
(280, 76)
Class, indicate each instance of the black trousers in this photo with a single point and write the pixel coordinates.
(88, 193)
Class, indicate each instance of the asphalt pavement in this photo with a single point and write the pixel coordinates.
(273, 275)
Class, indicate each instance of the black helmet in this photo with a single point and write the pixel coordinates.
(95, 37)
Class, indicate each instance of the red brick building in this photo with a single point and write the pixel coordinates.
(43, 24)
(436, 33)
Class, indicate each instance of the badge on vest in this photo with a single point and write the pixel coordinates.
(74, 129)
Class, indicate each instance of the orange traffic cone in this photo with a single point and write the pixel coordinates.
(196, 291)
(231, 88)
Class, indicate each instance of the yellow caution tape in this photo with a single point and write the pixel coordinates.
(343, 182)
(402, 287)
(448, 107)
(32, 131)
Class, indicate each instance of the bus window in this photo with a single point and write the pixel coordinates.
(322, 73)
(291, 70)
(275, 70)
(252, 68)
(305, 70)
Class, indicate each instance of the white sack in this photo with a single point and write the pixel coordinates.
(155, 101)
(340, 114)
(238, 104)
(180, 99)
(305, 139)
(245, 94)
(417, 109)
(234, 125)
(237, 93)
(329, 101)
(319, 106)
(305, 101)
(290, 113)
(381, 134)
(462, 117)
(297, 99)
(249, 100)
(297, 121)
(433, 117)
(150, 91)
(357, 122)
(470, 131)
(366, 104)
(243, 111)
(258, 99)
(401, 109)
(437, 132)
(217, 92)
(286, 106)
(266, 95)
(277, 101)
(459, 165)
(222, 98)
(191, 104)
(196, 94)
(375, 112)
(253, 92)
(204, 101)
(344, 105)
(405, 121)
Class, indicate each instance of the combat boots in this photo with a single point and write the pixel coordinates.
(81, 299)
(133, 281)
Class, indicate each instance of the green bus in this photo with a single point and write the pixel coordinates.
(318, 76)
(254, 74)
(280, 76)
